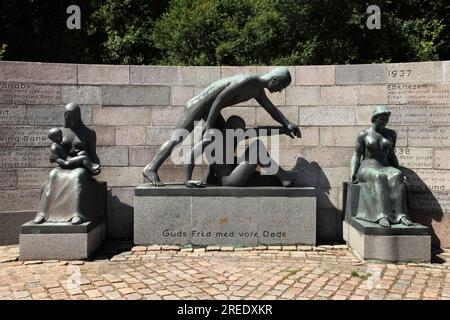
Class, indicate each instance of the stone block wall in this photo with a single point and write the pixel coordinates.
(134, 108)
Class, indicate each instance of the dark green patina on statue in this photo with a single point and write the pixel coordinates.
(375, 167)
(70, 193)
(223, 93)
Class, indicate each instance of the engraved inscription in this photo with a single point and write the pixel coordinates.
(428, 180)
(24, 157)
(420, 115)
(29, 93)
(427, 202)
(421, 158)
(399, 73)
(8, 179)
(429, 136)
(439, 115)
(418, 94)
(405, 115)
(6, 136)
(23, 136)
(12, 115)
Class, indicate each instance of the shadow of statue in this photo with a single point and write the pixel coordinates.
(423, 206)
(329, 215)
(308, 174)
(120, 227)
(120, 218)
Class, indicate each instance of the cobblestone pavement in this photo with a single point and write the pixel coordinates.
(120, 271)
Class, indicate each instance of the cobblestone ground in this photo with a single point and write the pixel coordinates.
(120, 271)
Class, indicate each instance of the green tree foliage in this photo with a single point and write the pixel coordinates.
(226, 32)
(200, 32)
(125, 27)
(277, 32)
(35, 30)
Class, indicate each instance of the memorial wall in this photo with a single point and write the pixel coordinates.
(133, 109)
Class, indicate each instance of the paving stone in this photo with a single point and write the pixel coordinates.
(32, 262)
(170, 248)
(226, 248)
(260, 248)
(154, 248)
(213, 248)
(288, 248)
(204, 274)
(243, 249)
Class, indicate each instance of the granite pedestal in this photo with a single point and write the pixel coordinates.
(53, 240)
(371, 241)
(60, 241)
(247, 216)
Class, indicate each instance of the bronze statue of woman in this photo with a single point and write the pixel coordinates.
(61, 196)
(374, 164)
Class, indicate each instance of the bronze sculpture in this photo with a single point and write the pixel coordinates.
(62, 158)
(241, 170)
(375, 166)
(74, 151)
(220, 94)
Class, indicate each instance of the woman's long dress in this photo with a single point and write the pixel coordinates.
(373, 205)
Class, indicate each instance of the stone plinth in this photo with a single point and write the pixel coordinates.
(398, 243)
(60, 241)
(175, 214)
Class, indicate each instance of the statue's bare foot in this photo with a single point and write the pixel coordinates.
(194, 184)
(76, 220)
(384, 223)
(406, 221)
(153, 177)
(40, 218)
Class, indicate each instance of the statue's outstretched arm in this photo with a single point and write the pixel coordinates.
(274, 112)
(277, 115)
(270, 130)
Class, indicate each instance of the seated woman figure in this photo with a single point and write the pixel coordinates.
(67, 185)
(374, 164)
